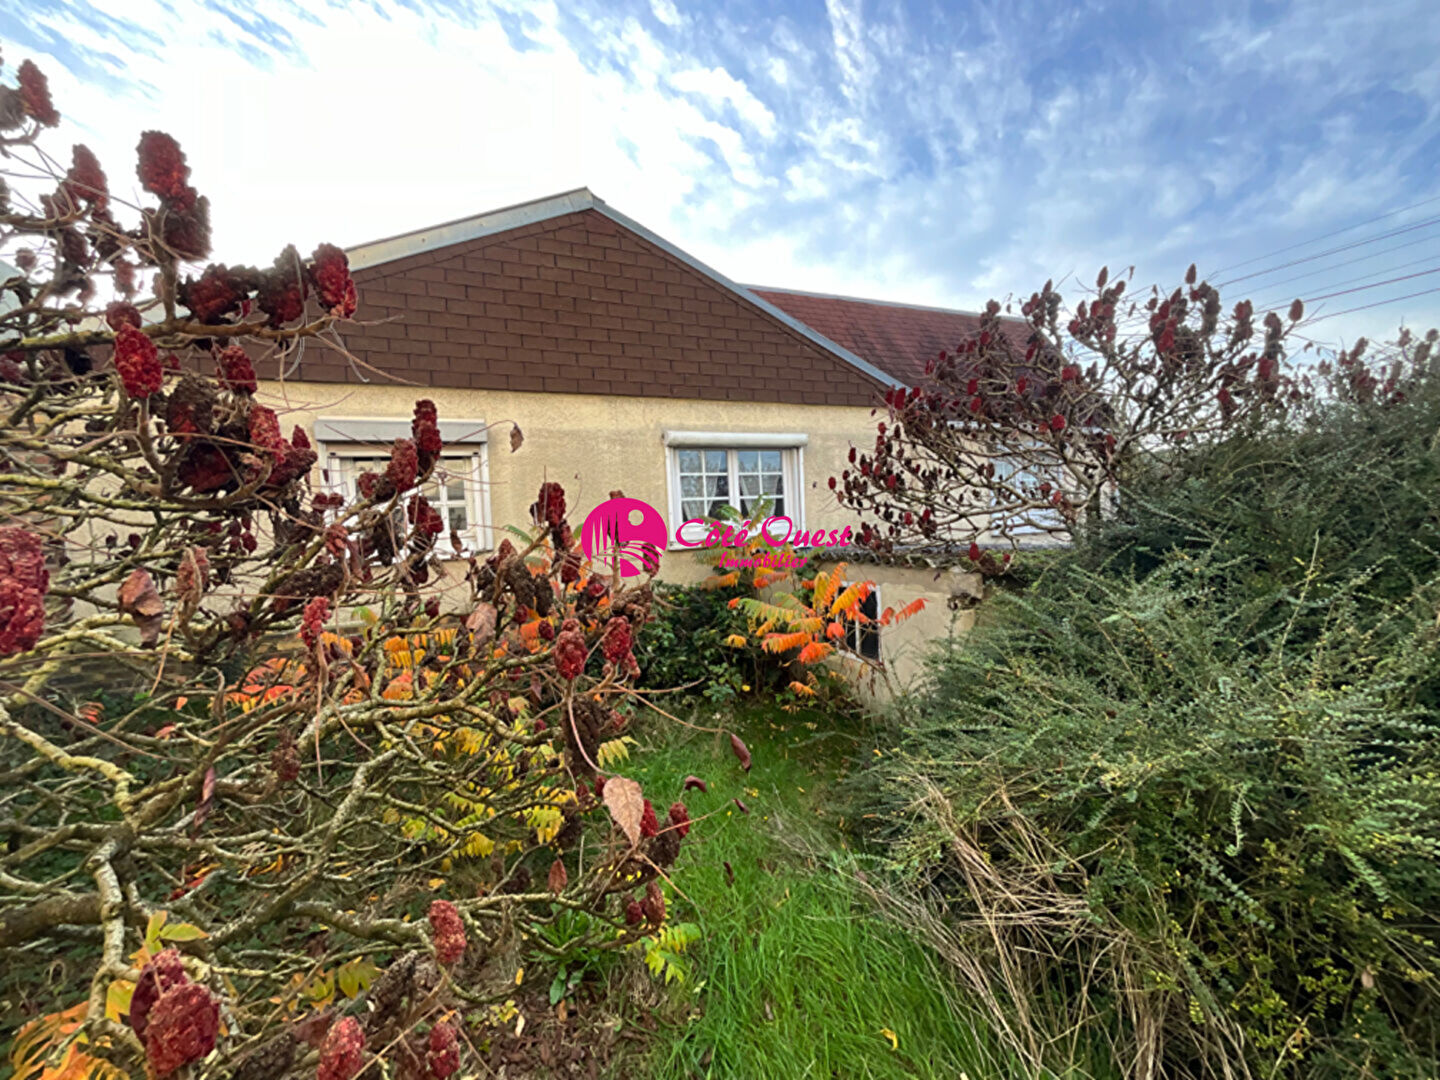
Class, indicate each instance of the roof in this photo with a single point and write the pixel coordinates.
(419, 241)
(897, 338)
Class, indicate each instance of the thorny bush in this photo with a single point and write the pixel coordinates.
(268, 820)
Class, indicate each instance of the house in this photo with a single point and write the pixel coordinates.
(627, 364)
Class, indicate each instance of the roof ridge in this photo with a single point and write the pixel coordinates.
(871, 300)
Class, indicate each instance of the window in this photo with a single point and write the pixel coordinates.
(864, 638)
(1028, 478)
(456, 487)
(711, 471)
(713, 479)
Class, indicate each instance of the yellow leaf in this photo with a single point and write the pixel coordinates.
(894, 1039)
(519, 976)
(736, 641)
(435, 883)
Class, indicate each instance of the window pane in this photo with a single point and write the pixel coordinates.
(749, 485)
(747, 460)
(455, 492)
(692, 508)
(717, 507)
(772, 485)
(718, 486)
(779, 510)
(457, 519)
(715, 461)
(770, 460)
(690, 486)
(689, 461)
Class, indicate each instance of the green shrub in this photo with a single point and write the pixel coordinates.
(1226, 843)
(1183, 789)
(685, 644)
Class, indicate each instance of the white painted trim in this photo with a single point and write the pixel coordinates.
(791, 464)
(476, 227)
(342, 437)
(365, 429)
(378, 252)
(736, 440)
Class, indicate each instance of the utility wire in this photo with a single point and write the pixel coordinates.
(1357, 259)
(1279, 300)
(1367, 307)
(1326, 236)
(1375, 284)
(1333, 251)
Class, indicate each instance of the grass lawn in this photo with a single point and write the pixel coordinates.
(795, 976)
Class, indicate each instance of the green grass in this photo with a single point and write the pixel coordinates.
(795, 975)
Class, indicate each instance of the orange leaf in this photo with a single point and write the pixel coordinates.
(815, 651)
(778, 643)
(852, 597)
(803, 689)
(835, 631)
(914, 607)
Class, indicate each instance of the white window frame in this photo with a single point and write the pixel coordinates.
(792, 465)
(853, 630)
(341, 439)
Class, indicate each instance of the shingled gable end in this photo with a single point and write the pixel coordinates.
(565, 295)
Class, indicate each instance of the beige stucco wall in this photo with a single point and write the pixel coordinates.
(591, 444)
(595, 444)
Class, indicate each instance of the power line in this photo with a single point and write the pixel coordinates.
(1326, 236)
(1351, 262)
(1367, 307)
(1275, 302)
(1375, 284)
(1333, 251)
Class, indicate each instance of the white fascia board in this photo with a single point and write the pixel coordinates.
(403, 246)
(353, 429)
(737, 440)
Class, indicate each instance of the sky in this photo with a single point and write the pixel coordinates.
(929, 152)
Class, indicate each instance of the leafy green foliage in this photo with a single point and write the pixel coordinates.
(684, 645)
(1184, 788)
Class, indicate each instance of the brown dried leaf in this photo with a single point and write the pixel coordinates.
(741, 751)
(140, 599)
(517, 438)
(558, 878)
(740, 806)
(626, 803)
(729, 874)
(207, 800)
(481, 622)
(692, 782)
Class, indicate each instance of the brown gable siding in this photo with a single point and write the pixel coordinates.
(579, 305)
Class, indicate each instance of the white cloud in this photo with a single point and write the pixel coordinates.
(667, 13)
(936, 153)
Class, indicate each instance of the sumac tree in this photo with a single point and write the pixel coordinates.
(325, 780)
(1020, 430)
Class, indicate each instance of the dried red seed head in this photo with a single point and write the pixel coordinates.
(442, 1056)
(447, 931)
(181, 1028)
(344, 1051)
